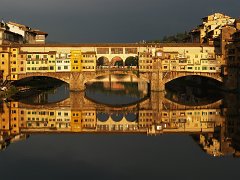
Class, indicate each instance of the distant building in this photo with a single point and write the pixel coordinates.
(12, 32)
(209, 31)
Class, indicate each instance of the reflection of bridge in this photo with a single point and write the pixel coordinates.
(156, 115)
(80, 64)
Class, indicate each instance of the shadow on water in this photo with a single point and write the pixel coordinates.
(188, 91)
(53, 95)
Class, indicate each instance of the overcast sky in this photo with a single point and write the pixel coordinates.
(113, 20)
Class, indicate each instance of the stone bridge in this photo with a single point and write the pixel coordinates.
(156, 78)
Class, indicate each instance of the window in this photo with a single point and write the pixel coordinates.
(3, 55)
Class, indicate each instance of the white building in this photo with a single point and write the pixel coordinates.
(63, 62)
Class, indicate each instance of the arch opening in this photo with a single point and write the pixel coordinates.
(131, 61)
(117, 117)
(103, 62)
(131, 117)
(194, 90)
(117, 62)
(103, 117)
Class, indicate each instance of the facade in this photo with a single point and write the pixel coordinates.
(210, 29)
(16, 33)
(63, 62)
(233, 61)
(5, 63)
(76, 60)
(89, 60)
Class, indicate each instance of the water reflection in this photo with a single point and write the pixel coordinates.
(214, 124)
(116, 93)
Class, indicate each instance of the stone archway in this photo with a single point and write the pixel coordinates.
(131, 61)
(117, 61)
(102, 61)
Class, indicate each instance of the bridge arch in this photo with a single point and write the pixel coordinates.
(103, 117)
(117, 117)
(59, 76)
(131, 61)
(131, 117)
(102, 61)
(116, 61)
(176, 75)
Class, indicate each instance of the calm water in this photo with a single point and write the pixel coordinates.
(120, 131)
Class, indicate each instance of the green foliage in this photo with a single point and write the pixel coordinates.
(177, 38)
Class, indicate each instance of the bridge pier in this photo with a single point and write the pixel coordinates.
(76, 81)
(156, 82)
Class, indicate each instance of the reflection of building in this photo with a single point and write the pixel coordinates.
(153, 116)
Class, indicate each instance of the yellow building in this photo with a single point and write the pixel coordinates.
(89, 119)
(5, 62)
(22, 56)
(14, 66)
(51, 61)
(40, 62)
(88, 61)
(76, 58)
(5, 118)
(145, 119)
(76, 120)
(14, 121)
(145, 62)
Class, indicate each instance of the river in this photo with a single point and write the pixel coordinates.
(121, 131)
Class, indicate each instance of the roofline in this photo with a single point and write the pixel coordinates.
(158, 45)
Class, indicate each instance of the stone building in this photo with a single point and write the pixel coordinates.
(12, 32)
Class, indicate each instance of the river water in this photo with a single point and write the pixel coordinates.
(121, 131)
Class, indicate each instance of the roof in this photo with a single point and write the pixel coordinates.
(18, 25)
(37, 32)
(89, 52)
(49, 52)
(157, 45)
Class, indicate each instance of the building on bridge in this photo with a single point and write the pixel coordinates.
(71, 63)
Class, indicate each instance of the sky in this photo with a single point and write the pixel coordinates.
(89, 21)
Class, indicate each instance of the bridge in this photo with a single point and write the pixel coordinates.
(156, 64)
